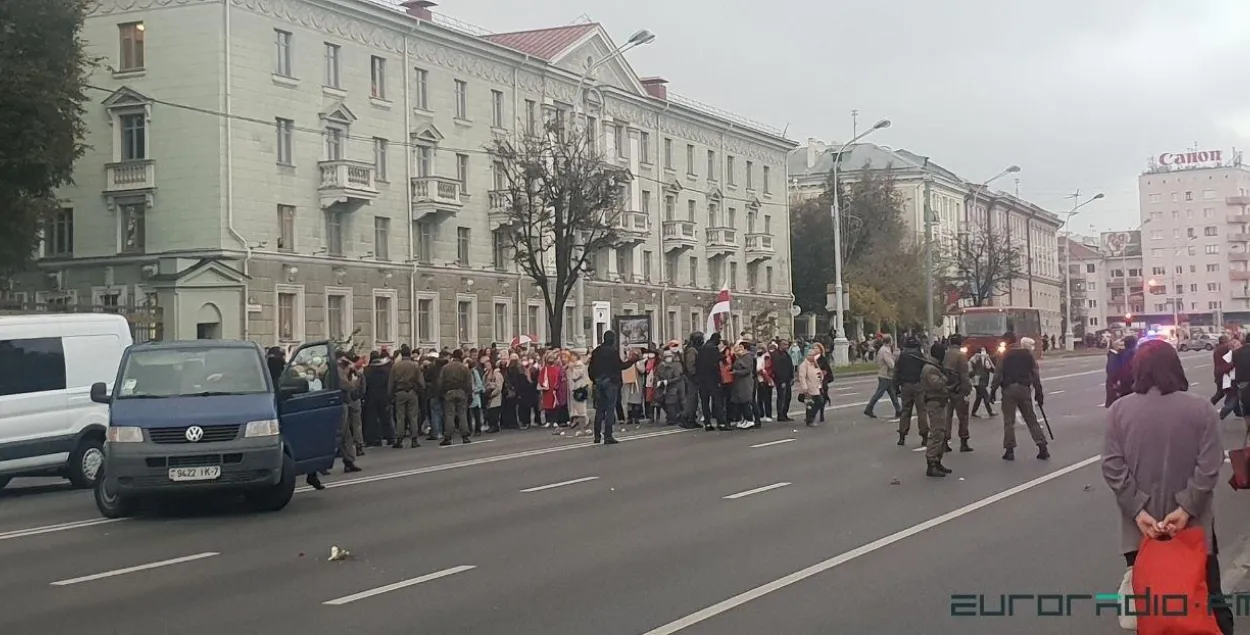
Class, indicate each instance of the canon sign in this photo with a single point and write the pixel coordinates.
(1190, 158)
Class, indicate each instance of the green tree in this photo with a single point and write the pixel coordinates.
(43, 69)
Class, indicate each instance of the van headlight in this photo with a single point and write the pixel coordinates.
(125, 434)
(1002, 346)
(963, 349)
(265, 428)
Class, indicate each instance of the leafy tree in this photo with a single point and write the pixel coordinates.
(983, 263)
(43, 69)
(562, 204)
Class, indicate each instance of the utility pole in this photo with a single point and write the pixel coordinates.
(854, 123)
(928, 252)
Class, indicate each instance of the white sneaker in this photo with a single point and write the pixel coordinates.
(768, 419)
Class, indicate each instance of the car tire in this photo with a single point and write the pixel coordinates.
(86, 462)
(277, 497)
(4, 480)
(112, 504)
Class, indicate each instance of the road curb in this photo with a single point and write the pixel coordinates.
(1236, 571)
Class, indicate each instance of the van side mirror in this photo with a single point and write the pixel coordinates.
(100, 393)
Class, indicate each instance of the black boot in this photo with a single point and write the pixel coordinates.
(445, 441)
(314, 481)
(465, 439)
(946, 446)
(399, 443)
(944, 469)
(348, 468)
(934, 471)
(902, 438)
(1042, 453)
(1009, 455)
(414, 443)
(963, 446)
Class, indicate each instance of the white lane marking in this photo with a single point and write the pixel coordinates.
(560, 484)
(400, 585)
(457, 445)
(756, 491)
(1056, 392)
(48, 529)
(764, 445)
(821, 567)
(142, 567)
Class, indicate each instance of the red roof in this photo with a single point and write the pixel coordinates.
(543, 43)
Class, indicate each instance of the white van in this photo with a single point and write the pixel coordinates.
(48, 424)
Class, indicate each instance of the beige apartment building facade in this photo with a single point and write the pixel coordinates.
(290, 170)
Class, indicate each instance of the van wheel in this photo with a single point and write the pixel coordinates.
(109, 502)
(276, 497)
(86, 462)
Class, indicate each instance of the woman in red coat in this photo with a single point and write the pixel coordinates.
(551, 383)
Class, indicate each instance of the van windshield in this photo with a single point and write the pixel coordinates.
(180, 372)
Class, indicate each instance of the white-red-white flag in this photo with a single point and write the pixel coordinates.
(719, 315)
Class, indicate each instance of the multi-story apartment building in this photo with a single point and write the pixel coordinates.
(1105, 270)
(1195, 237)
(287, 170)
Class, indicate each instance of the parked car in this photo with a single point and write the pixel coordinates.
(1197, 343)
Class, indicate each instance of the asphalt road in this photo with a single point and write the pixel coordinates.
(788, 530)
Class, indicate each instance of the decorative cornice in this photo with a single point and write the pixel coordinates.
(312, 17)
(109, 7)
(460, 62)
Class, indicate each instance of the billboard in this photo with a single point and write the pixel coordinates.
(1121, 244)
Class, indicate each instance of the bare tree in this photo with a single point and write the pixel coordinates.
(562, 204)
(983, 264)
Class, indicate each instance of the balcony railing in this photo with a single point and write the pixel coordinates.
(349, 182)
(500, 213)
(678, 234)
(722, 240)
(1239, 257)
(130, 176)
(1238, 200)
(760, 247)
(435, 195)
(1237, 219)
(632, 227)
(1239, 275)
(1238, 238)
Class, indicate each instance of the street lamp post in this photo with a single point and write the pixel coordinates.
(841, 346)
(639, 38)
(968, 210)
(1068, 337)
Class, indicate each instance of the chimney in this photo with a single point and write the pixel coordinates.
(419, 9)
(655, 87)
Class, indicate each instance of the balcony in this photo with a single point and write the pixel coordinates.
(1239, 257)
(347, 182)
(1237, 219)
(760, 247)
(137, 178)
(678, 235)
(632, 228)
(1242, 201)
(721, 241)
(499, 214)
(1239, 275)
(1238, 238)
(1121, 282)
(433, 195)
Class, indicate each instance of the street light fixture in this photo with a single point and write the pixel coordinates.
(1068, 336)
(929, 273)
(841, 346)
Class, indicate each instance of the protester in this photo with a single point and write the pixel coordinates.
(605, 371)
(808, 384)
(885, 359)
(1020, 379)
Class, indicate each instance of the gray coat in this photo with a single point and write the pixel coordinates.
(1161, 452)
(743, 390)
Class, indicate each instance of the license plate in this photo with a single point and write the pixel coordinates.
(207, 473)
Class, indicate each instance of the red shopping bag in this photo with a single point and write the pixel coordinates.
(1170, 586)
(1240, 461)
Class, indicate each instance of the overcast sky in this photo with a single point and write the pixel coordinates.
(1079, 93)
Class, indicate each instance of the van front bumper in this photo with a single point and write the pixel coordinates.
(144, 468)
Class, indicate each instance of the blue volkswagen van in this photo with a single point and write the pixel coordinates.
(205, 416)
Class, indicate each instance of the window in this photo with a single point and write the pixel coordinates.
(690, 204)
(1089, 268)
(620, 140)
(462, 99)
(1156, 253)
(425, 242)
(134, 137)
(1191, 232)
(286, 228)
(286, 128)
(282, 62)
(1210, 231)
(768, 224)
(381, 238)
(425, 161)
(672, 329)
(1156, 234)
(334, 143)
(1093, 304)
(733, 275)
(379, 157)
(645, 205)
(499, 250)
(462, 171)
(696, 319)
(729, 170)
(466, 316)
(668, 154)
(377, 77)
(502, 309)
(570, 324)
(1093, 321)
(1091, 286)
(58, 233)
(1156, 198)
(290, 325)
(334, 233)
(767, 187)
(421, 90)
(131, 36)
(750, 175)
(694, 271)
(1212, 268)
(31, 365)
(332, 65)
(134, 228)
(1208, 195)
(534, 321)
(1208, 212)
(711, 165)
(768, 279)
(496, 108)
(644, 147)
(462, 246)
(753, 276)
(338, 314)
(1211, 249)
(592, 133)
(425, 319)
(384, 318)
(689, 158)
(670, 268)
(1213, 286)
(1189, 196)
(646, 266)
(531, 115)
(670, 208)
(1158, 271)
(1215, 306)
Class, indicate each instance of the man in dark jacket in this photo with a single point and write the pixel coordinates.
(455, 385)
(708, 379)
(783, 379)
(406, 383)
(435, 400)
(377, 424)
(907, 376)
(605, 371)
(1020, 379)
(689, 362)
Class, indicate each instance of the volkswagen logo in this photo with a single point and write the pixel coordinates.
(195, 433)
